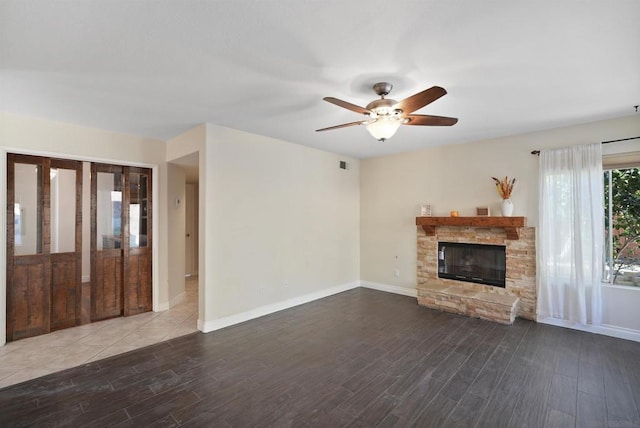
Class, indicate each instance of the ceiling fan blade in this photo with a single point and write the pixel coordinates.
(421, 99)
(427, 120)
(346, 105)
(344, 125)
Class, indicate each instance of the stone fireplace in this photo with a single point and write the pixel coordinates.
(516, 299)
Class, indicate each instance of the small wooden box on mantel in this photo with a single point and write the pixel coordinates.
(511, 225)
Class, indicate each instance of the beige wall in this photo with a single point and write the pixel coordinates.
(175, 232)
(458, 178)
(282, 221)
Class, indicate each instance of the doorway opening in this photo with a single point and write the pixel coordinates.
(184, 175)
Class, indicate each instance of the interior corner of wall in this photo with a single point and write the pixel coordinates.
(3, 246)
(161, 307)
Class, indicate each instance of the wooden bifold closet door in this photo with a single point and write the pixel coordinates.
(137, 241)
(44, 245)
(120, 241)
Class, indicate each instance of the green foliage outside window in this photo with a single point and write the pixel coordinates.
(625, 224)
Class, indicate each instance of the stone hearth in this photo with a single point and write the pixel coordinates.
(472, 303)
(518, 298)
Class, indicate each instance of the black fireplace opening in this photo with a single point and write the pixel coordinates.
(483, 264)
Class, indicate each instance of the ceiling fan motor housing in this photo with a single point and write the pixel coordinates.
(382, 88)
(384, 107)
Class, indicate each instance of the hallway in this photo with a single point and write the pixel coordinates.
(38, 356)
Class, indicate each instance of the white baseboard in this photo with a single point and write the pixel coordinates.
(177, 299)
(405, 291)
(206, 327)
(160, 307)
(606, 330)
(163, 306)
(261, 311)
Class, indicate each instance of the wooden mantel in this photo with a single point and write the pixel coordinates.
(511, 225)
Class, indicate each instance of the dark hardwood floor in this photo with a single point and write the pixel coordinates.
(360, 358)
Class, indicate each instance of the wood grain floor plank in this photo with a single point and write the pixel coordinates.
(159, 414)
(466, 411)
(557, 419)
(376, 411)
(621, 406)
(436, 413)
(358, 358)
(364, 396)
(531, 409)
(367, 373)
(392, 421)
(563, 394)
(503, 398)
(591, 411)
(325, 404)
(416, 400)
(590, 378)
(407, 381)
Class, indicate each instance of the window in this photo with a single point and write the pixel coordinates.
(622, 223)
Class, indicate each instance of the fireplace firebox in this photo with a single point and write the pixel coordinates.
(483, 264)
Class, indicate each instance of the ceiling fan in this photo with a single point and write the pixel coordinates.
(384, 116)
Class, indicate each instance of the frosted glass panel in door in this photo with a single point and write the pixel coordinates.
(27, 209)
(109, 210)
(63, 210)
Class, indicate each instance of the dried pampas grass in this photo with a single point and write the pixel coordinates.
(505, 186)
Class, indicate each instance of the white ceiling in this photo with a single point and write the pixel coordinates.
(157, 68)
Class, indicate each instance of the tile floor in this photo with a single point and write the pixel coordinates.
(37, 356)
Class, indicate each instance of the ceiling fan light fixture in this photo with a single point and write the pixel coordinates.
(383, 117)
(383, 128)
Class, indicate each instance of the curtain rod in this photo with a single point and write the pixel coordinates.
(537, 152)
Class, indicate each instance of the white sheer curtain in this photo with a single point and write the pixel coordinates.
(570, 234)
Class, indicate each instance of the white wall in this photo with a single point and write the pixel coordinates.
(22, 134)
(175, 232)
(459, 178)
(282, 222)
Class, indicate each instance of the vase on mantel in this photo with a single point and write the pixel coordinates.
(506, 208)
